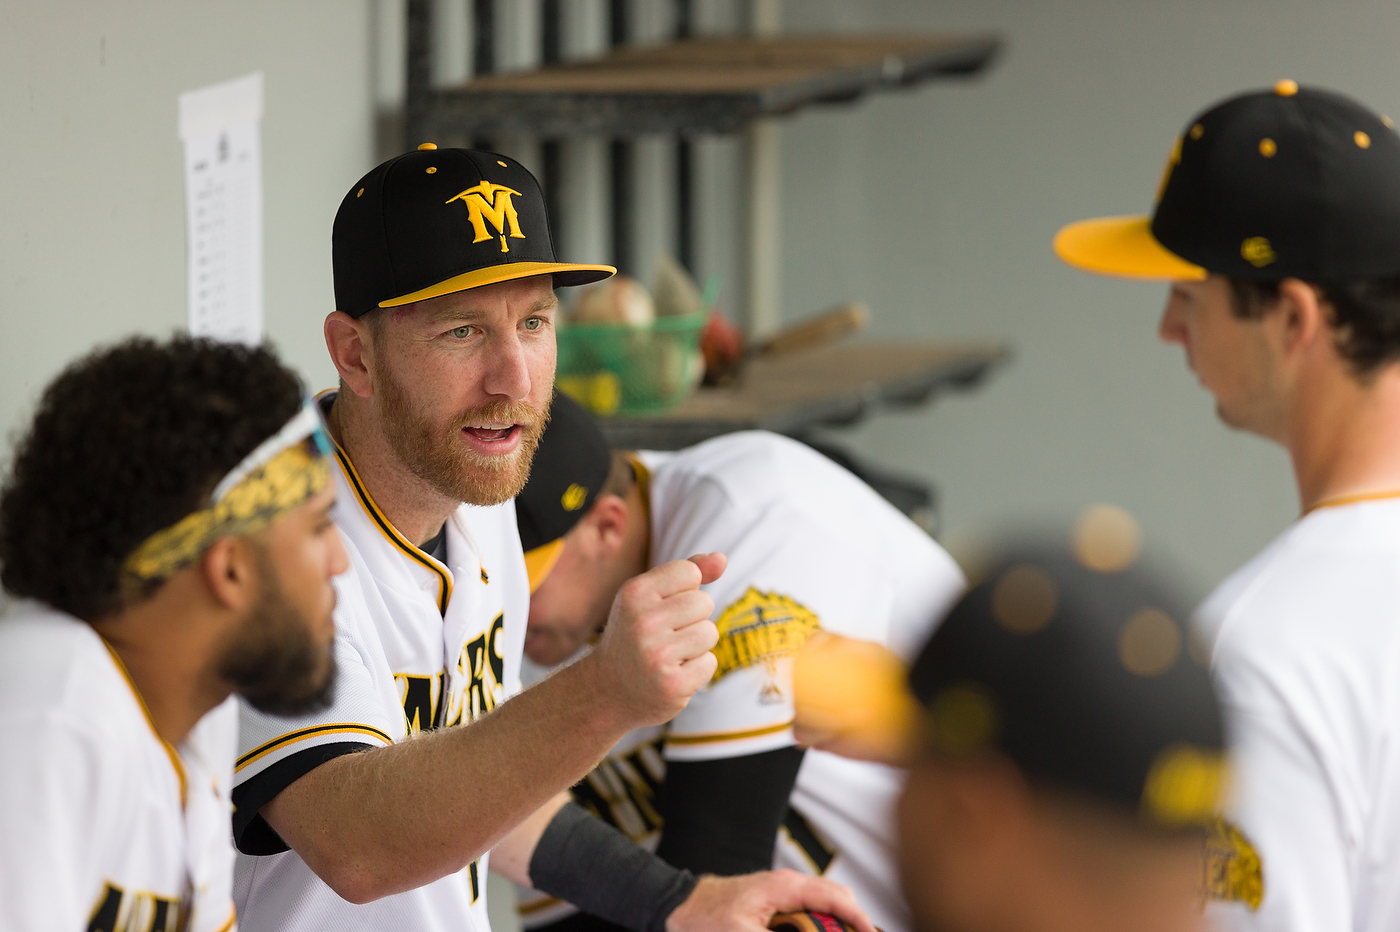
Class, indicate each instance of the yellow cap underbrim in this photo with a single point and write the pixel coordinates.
(570, 273)
(1124, 247)
(540, 560)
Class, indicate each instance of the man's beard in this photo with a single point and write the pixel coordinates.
(437, 453)
(276, 663)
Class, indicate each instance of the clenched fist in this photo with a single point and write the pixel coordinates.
(655, 650)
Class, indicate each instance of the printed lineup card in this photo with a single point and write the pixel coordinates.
(220, 127)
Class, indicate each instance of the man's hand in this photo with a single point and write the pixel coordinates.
(655, 651)
(747, 903)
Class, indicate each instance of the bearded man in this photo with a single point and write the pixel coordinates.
(444, 341)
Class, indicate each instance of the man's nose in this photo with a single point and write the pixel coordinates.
(1171, 329)
(508, 370)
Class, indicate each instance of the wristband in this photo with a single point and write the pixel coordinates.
(587, 862)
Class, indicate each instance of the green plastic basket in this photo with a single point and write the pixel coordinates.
(621, 369)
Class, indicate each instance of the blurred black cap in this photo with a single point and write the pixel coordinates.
(1086, 680)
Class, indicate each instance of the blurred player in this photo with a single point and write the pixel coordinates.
(1278, 225)
(1072, 758)
(444, 343)
(723, 787)
(166, 528)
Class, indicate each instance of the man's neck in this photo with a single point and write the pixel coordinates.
(1344, 437)
(413, 507)
(164, 645)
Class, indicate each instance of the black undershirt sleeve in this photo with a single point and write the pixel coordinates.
(251, 834)
(722, 816)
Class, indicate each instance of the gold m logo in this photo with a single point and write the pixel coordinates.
(487, 202)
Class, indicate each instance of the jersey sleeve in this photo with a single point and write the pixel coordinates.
(787, 576)
(275, 752)
(1284, 855)
(51, 790)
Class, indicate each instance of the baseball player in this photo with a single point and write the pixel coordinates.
(723, 786)
(1073, 757)
(165, 527)
(1278, 226)
(444, 342)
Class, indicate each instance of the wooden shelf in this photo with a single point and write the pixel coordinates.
(695, 86)
(823, 387)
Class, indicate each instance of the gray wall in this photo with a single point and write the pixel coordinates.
(92, 222)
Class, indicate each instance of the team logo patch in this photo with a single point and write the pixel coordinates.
(761, 627)
(574, 497)
(1234, 872)
(491, 203)
(1258, 251)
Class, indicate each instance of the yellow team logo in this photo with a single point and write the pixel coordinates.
(1234, 872)
(1257, 251)
(574, 497)
(761, 627)
(491, 203)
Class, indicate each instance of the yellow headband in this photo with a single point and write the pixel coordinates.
(282, 473)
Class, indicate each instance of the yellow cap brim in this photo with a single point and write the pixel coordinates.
(540, 561)
(567, 273)
(1123, 247)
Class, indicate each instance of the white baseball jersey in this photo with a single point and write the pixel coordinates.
(105, 826)
(809, 545)
(1306, 655)
(419, 645)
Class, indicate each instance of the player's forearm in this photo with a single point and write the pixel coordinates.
(384, 821)
(511, 856)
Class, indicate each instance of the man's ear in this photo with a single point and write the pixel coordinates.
(229, 574)
(607, 518)
(1302, 316)
(352, 351)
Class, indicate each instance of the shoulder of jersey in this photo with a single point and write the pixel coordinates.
(748, 465)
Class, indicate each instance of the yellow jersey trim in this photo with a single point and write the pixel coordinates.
(315, 731)
(169, 748)
(717, 736)
(390, 532)
(1341, 500)
(232, 918)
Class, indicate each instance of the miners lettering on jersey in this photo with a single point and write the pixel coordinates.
(474, 686)
(622, 790)
(422, 700)
(139, 911)
(491, 203)
(761, 627)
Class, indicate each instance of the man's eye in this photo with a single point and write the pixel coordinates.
(462, 333)
(534, 323)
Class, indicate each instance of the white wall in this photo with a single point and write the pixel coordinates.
(92, 225)
(937, 206)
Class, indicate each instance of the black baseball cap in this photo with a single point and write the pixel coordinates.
(1290, 182)
(571, 464)
(438, 221)
(1085, 680)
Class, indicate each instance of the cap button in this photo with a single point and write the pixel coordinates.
(433, 145)
(1286, 88)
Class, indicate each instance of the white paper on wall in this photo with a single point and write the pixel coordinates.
(220, 127)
